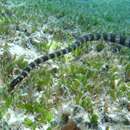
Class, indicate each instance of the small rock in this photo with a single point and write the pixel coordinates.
(71, 125)
(128, 106)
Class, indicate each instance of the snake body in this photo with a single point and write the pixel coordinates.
(107, 37)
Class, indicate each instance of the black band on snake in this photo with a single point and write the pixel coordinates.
(108, 37)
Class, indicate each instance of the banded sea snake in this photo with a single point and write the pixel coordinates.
(107, 37)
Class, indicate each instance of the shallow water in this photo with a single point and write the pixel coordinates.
(31, 28)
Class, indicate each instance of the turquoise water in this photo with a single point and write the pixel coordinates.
(94, 79)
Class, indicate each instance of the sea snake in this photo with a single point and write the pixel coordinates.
(107, 37)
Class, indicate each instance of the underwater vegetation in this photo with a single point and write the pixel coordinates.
(88, 88)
